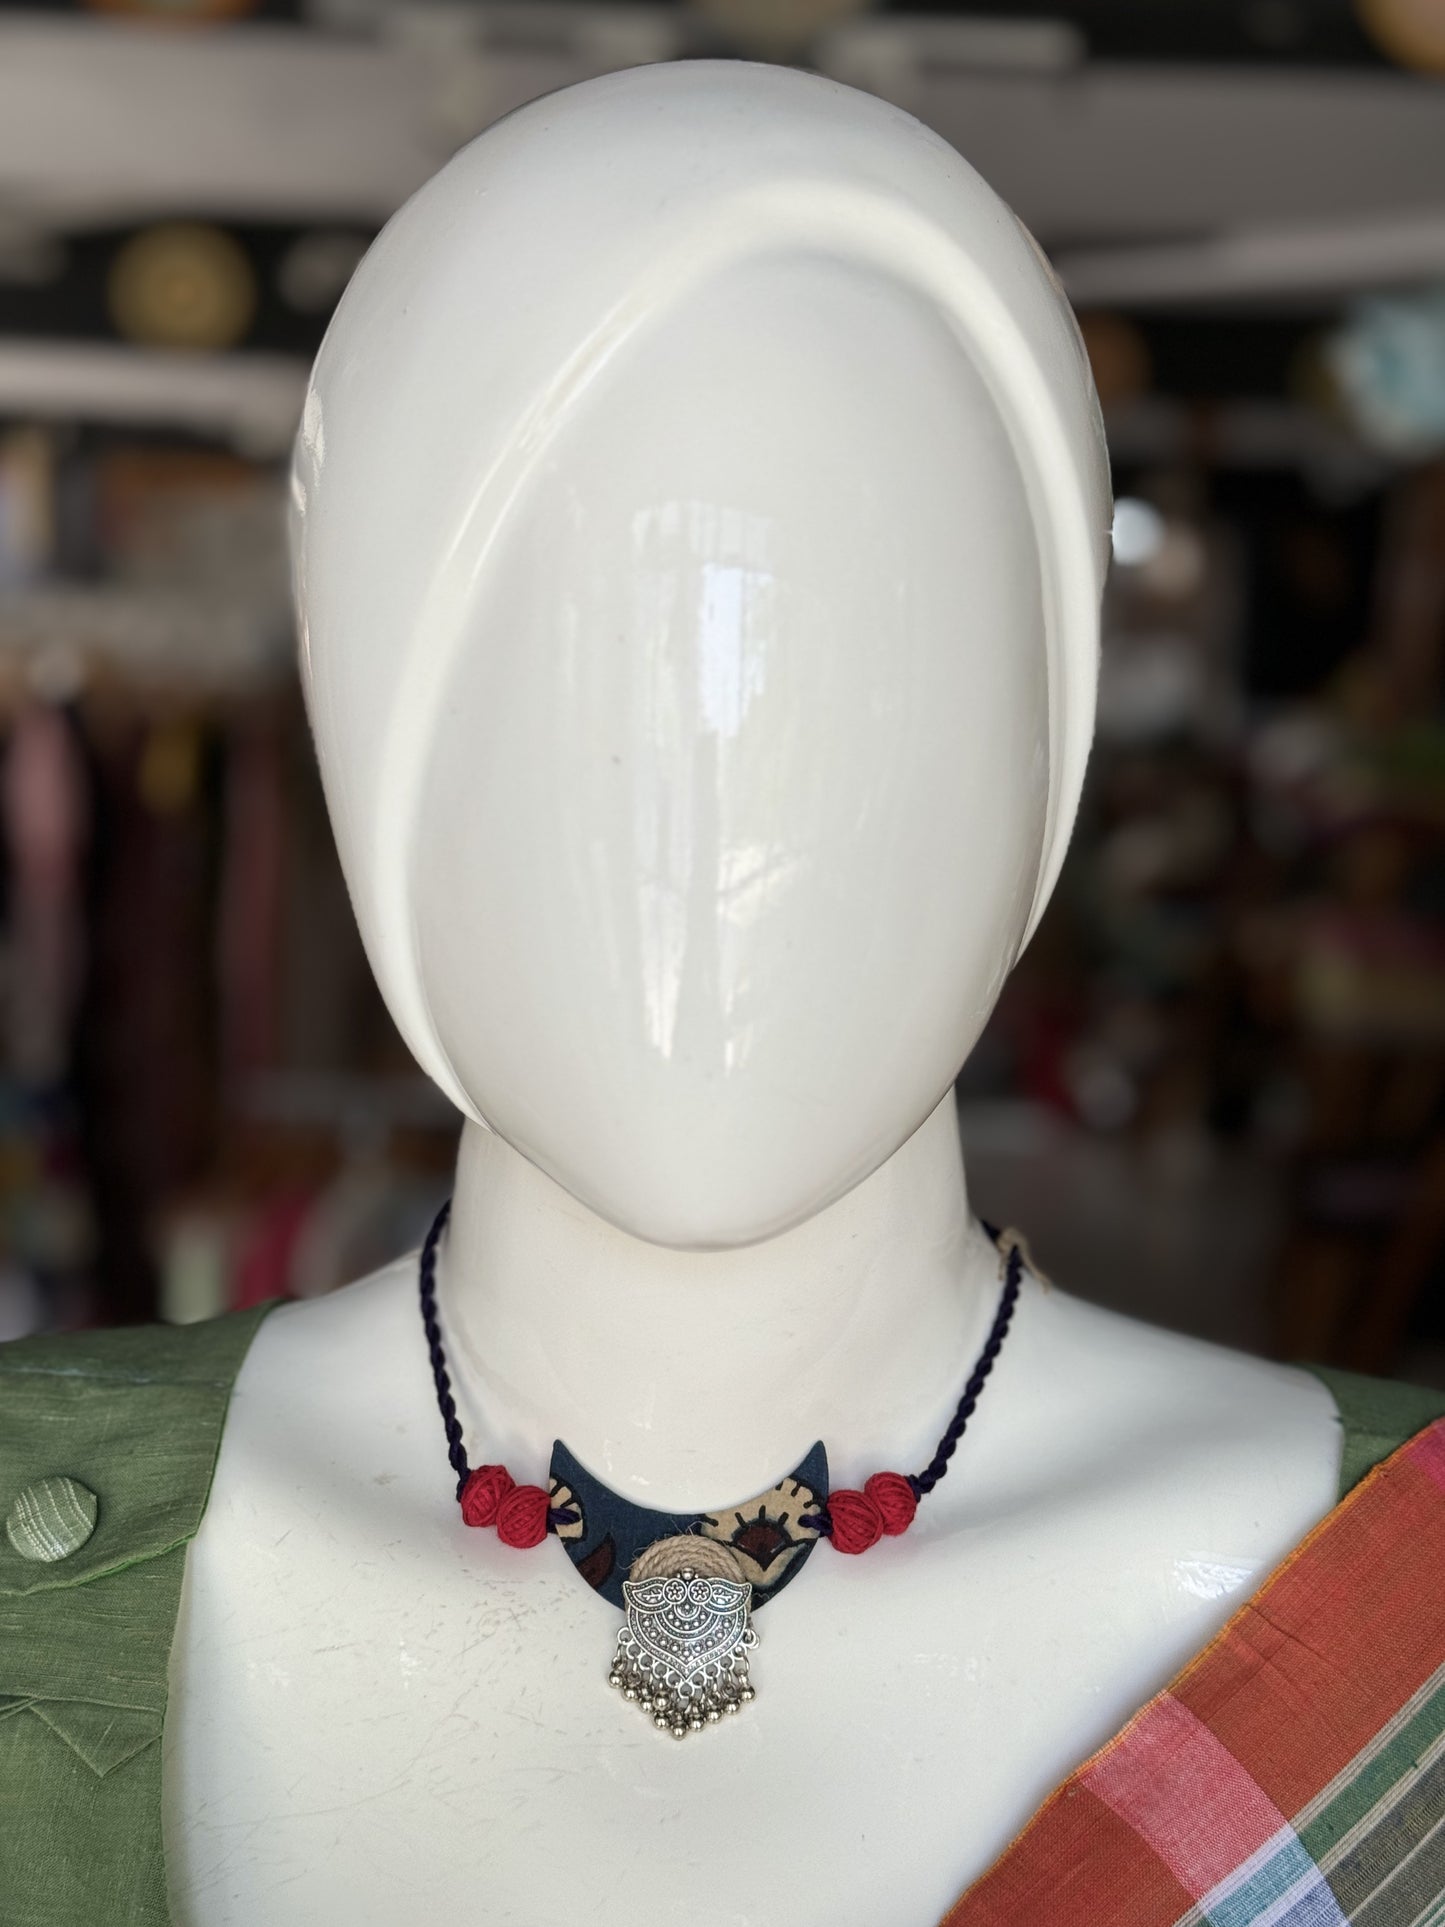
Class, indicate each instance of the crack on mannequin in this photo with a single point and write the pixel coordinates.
(700, 519)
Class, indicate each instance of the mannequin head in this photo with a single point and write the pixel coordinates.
(699, 520)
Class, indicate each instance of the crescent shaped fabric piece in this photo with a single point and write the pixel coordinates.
(763, 1532)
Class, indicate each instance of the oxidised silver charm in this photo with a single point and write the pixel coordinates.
(682, 1653)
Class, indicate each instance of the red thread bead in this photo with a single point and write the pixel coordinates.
(857, 1521)
(484, 1492)
(522, 1517)
(895, 1499)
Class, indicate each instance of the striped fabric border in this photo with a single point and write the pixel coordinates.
(1294, 1774)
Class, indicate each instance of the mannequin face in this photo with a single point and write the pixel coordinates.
(731, 820)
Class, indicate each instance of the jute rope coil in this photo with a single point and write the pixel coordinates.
(665, 1557)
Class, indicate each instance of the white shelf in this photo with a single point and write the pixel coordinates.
(253, 400)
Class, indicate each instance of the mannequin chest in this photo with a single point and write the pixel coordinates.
(376, 1716)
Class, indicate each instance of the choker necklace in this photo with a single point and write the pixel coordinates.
(688, 1584)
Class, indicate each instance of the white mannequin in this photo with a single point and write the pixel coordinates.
(699, 530)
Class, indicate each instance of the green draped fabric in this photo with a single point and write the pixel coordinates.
(135, 1416)
(1377, 1415)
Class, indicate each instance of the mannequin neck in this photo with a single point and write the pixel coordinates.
(690, 1379)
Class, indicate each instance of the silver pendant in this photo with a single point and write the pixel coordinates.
(682, 1653)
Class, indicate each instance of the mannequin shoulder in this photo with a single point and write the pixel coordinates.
(1205, 1392)
(1142, 1373)
(1086, 1379)
(1146, 1413)
(358, 1330)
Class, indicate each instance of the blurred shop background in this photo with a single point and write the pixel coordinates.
(1214, 1092)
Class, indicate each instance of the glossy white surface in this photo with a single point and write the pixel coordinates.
(701, 516)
